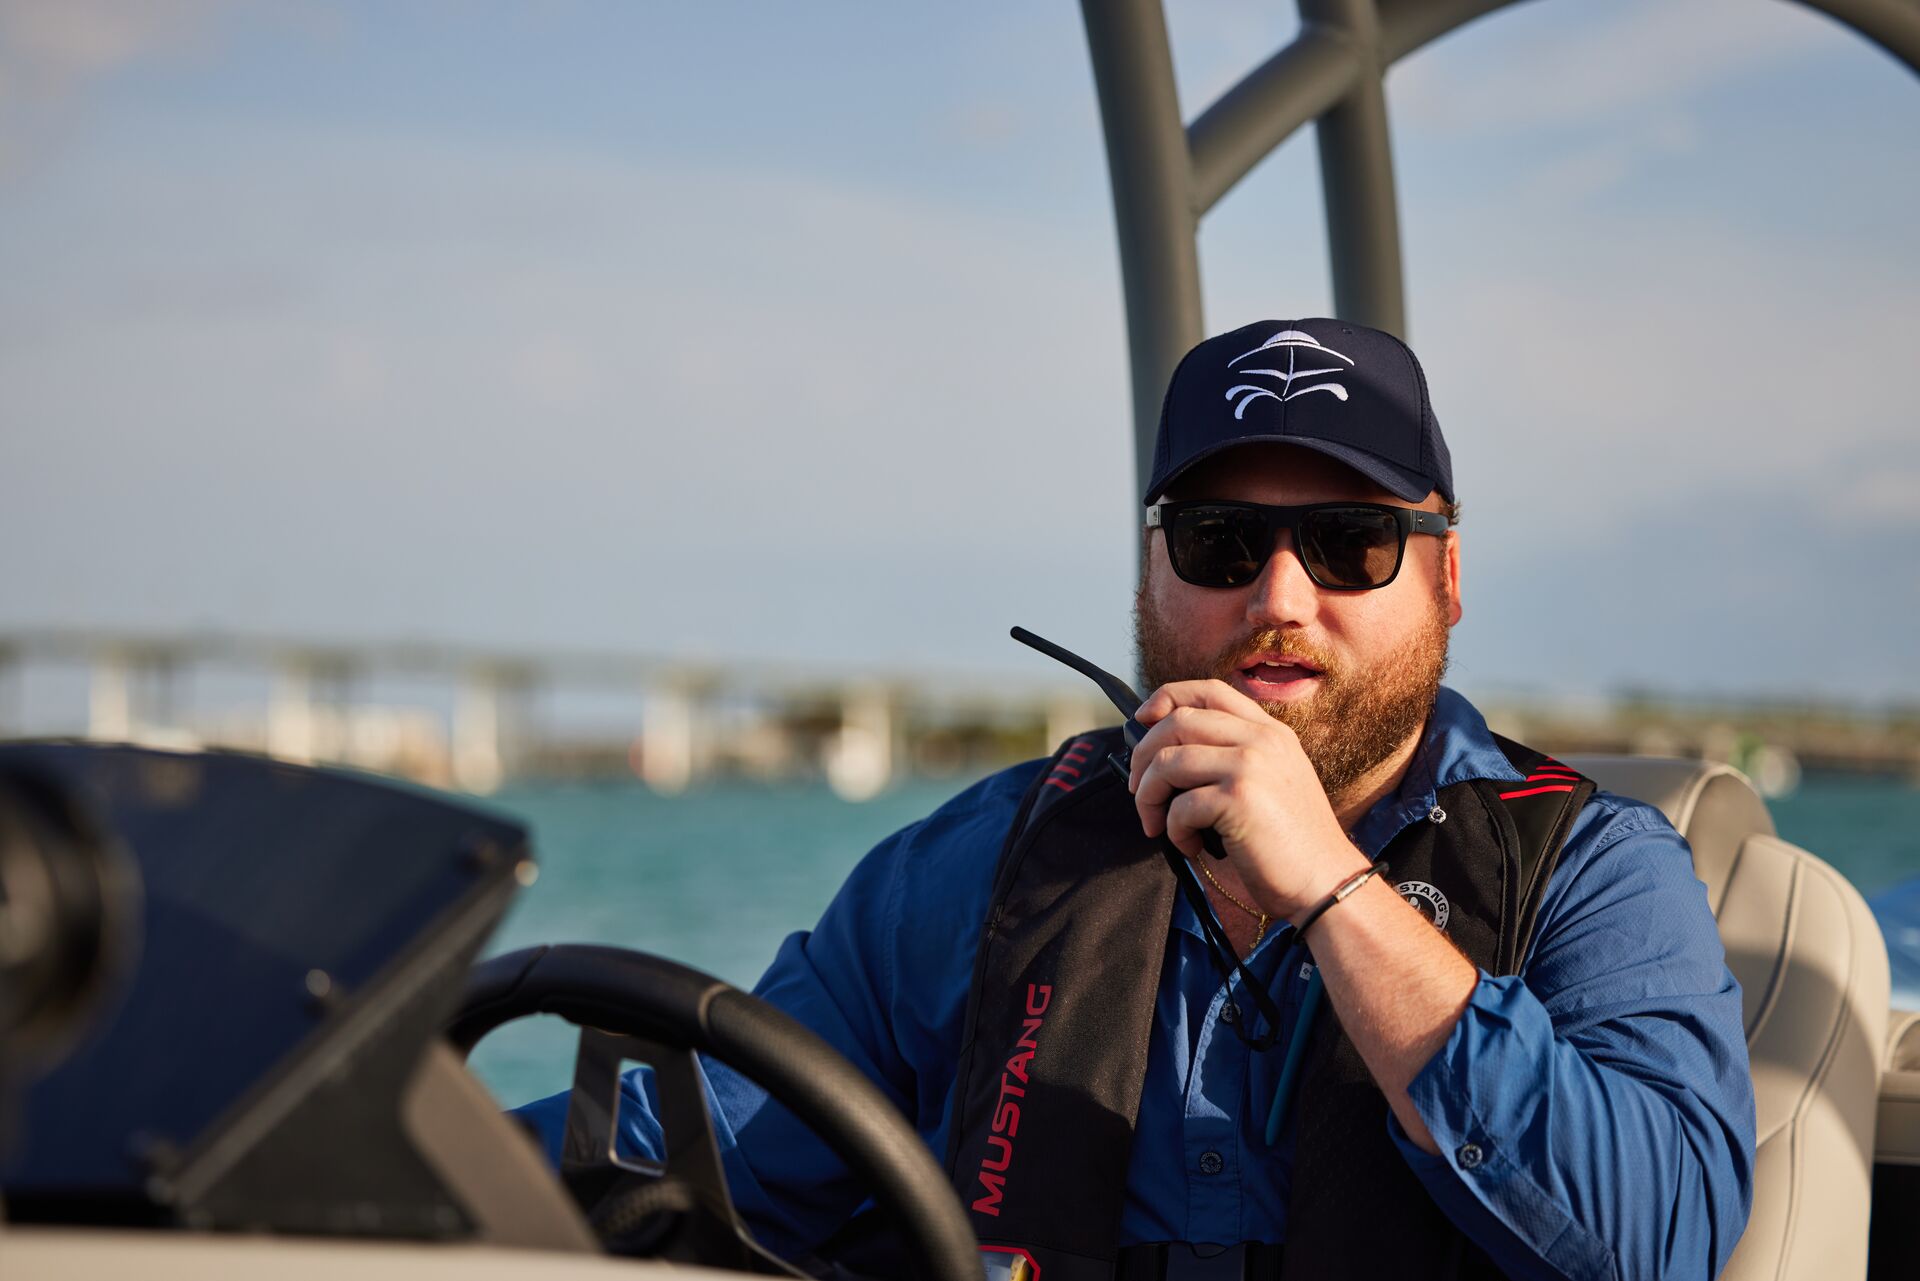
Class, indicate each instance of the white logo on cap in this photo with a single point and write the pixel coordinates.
(1292, 340)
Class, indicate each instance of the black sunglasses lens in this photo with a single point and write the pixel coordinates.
(1218, 546)
(1351, 546)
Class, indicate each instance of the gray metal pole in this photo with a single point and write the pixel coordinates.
(1164, 177)
(1294, 86)
(1406, 25)
(1152, 200)
(1894, 25)
(1356, 176)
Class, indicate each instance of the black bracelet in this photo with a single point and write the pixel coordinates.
(1377, 868)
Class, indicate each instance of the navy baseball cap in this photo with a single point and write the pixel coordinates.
(1352, 393)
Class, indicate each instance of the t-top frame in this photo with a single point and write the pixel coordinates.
(1167, 175)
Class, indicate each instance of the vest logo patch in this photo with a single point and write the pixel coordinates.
(1291, 340)
(1006, 1111)
(1427, 900)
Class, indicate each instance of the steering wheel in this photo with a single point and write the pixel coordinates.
(629, 1005)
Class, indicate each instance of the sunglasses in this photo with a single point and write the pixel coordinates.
(1352, 547)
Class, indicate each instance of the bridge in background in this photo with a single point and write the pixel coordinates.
(472, 718)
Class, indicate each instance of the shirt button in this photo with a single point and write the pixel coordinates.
(1210, 1162)
(1229, 1014)
(1437, 814)
(1470, 1156)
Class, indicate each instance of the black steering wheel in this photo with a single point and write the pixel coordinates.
(629, 1005)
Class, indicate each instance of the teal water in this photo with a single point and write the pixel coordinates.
(717, 877)
(714, 878)
(1869, 829)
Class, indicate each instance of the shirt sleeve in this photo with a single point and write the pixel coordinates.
(1595, 1115)
(883, 979)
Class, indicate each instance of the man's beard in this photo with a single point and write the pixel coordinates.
(1354, 720)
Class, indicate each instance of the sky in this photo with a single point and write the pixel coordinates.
(792, 334)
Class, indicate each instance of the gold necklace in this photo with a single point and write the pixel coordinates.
(1248, 908)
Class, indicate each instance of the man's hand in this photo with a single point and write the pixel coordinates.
(1212, 757)
(1398, 985)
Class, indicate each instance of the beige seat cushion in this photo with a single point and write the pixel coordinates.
(1813, 976)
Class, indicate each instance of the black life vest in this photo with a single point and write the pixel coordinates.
(1055, 1048)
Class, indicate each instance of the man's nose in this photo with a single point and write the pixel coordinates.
(1283, 595)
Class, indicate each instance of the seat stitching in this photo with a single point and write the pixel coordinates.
(1818, 1076)
(1791, 1124)
(1726, 886)
(1683, 811)
(1777, 979)
(1832, 1049)
(1793, 1201)
(1683, 817)
(1691, 797)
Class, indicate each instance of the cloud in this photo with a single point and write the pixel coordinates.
(985, 125)
(52, 48)
(360, 372)
(1578, 173)
(852, 422)
(1659, 357)
(50, 53)
(555, 371)
(1739, 590)
(1527, 70)
(1217, 42)
(1881, 493)
(494, 386)
(1631, 58)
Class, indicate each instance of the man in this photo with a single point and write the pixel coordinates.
(1137, 1074)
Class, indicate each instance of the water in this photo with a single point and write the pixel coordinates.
(717, 877)
(1869, 829)
(714, 879)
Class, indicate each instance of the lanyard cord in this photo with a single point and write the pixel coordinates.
(1220, 951)
(1219, 947)
(1296, 1051)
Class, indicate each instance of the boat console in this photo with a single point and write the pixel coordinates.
(260, 1055)
(247, 1011)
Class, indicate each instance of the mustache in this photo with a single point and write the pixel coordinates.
(1269, 640)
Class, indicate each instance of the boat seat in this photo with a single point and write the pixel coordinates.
(1814, 990)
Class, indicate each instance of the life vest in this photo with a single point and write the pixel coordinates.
(1055, 1048)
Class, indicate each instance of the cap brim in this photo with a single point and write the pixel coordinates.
(1398, 481)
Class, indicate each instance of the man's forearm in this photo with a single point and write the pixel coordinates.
(1398, 985)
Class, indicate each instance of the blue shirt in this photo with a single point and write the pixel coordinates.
(1594, 1113)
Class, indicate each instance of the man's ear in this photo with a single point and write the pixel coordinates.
(1452, 564)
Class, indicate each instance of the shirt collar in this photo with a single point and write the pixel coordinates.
(1456, 746)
